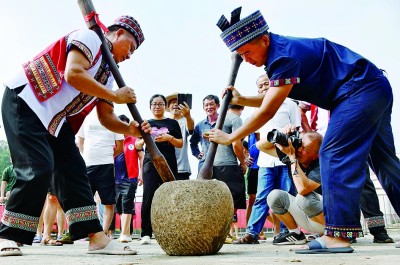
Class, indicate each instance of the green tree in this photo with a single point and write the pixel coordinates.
(4, 156)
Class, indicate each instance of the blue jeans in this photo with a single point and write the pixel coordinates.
(268, 179)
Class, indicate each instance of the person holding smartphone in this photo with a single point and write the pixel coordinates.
(180, 111)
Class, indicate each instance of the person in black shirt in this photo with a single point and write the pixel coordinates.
(167, 135)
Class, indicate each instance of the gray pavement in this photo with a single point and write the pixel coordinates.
(365, 252)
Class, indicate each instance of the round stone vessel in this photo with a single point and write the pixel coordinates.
(192, 217)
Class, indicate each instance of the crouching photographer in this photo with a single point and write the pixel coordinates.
(300, 153)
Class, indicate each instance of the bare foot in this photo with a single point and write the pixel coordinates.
(335, 242)
(98, 241)
(331, 242)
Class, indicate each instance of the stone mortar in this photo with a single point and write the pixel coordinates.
(192, 217)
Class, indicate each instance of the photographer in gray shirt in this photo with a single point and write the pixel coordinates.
(305, 209)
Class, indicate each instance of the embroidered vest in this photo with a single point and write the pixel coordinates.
(46, 71)
(45, 74)
(77, 111)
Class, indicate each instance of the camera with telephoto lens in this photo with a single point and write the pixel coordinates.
(278, 137)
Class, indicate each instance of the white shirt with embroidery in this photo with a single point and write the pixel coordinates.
(48, 109)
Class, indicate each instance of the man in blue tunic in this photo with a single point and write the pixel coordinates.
(333, 77)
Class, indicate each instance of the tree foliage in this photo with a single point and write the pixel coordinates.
(4, 156)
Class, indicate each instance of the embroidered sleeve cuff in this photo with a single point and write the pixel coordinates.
(84, 49)
(285, 81)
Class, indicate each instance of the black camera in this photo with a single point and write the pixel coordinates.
(278, 137)
(185, 98)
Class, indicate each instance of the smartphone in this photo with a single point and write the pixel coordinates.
(185, 98)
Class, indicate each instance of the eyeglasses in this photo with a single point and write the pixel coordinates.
(158, 104)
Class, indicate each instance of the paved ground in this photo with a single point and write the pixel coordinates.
(365, 253)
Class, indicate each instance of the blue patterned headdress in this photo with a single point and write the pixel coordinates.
(239, 32)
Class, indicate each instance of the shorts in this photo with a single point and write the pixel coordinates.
(183, 176)
(125, 197)
(234, 179)
(52, 187)
(252, 180)
(102, 180)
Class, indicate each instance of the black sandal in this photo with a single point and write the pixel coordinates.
(50, 242)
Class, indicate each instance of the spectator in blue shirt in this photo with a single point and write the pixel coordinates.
(210, 106)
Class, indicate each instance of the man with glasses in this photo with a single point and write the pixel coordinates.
(210, 106)
(305, 209)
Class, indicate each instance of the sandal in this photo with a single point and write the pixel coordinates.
(124, 239)
(247, 239)
(50, 242)
(37, 239)
(318, 246)
(9, 248)
(65, 239)
(263, 238)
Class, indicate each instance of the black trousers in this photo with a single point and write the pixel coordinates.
(369, 204)
(37, 158)
(151, 182)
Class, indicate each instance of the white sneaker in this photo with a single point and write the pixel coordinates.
(124, 239)
(145, 240)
